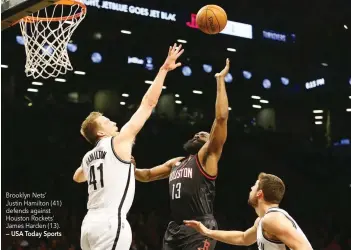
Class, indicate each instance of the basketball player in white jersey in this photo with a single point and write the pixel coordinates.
(274, 229)
(108, 170)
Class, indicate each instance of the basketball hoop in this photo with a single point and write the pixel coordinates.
(46, 35)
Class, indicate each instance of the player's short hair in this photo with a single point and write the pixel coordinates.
(272, 186)
(89, 127)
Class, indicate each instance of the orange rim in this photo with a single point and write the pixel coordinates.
(30, 19)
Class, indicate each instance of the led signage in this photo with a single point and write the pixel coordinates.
(131, 9)
(315, 83)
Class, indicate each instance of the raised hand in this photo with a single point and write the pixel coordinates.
(197, 225)
(224, 71)
(173, 54)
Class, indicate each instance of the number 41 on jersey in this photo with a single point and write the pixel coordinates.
(92, 176)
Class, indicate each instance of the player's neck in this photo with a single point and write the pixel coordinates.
(104, 136)
(100, 138)
(262, 208)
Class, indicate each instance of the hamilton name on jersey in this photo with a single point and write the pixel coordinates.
(95, 156)
(181, 173)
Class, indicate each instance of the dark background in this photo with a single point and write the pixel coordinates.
(42, 146)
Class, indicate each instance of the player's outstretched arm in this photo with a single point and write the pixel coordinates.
(79, 175)
(150, 99)
(212, 150)
(282, 228)
(148, 103)
(238, 238)
(156, 173)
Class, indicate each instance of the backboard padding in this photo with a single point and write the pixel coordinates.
(14, 10)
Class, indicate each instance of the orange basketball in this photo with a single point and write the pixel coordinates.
(211, 19)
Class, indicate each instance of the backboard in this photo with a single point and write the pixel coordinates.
(14, 10)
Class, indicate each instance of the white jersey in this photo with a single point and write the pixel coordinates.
(111, 181)
(267, 244)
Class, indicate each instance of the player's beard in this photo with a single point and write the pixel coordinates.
(253, 201)
(193, 146)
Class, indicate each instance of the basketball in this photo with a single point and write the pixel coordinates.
(211, 19)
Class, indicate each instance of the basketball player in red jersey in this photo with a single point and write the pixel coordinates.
(192, 179)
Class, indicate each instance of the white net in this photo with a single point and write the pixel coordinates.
(46, 35)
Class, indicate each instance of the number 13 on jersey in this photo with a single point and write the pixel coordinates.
(92, 176)
(176, 190)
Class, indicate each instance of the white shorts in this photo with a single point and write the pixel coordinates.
(101, 231)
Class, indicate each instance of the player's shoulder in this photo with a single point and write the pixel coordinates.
(273, 216)
(175, 162)
(86, 155)
(103, 144)
(274, 219)
(104, 141)
(178, 159)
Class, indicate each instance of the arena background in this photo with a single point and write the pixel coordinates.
(304, 42)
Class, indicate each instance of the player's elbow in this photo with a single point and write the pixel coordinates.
(78, 179)
(143, 179)
(246, 240)
(247, 243)
(222, 117)
(244, 243)
(143, 175)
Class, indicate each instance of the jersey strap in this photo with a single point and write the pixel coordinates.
(114, 152)
(275, 209)
(202, 170)
(119, 211)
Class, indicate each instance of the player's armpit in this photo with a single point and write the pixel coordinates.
(156, 173)
(142, 175)
(79, 175)
(282, 228)
(218, 136)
